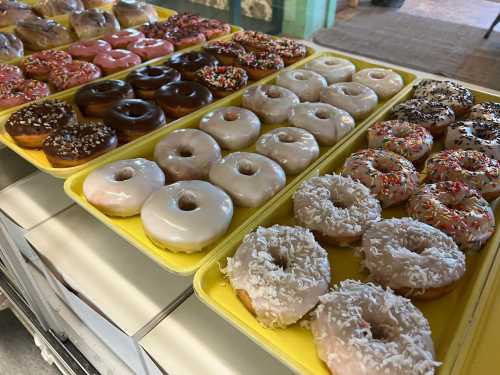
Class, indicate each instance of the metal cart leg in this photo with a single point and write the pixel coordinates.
(490, 30)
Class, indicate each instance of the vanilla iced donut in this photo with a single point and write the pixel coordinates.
(486, 111)
(187, 154)
(353, 97)
(121, 188)
(292, 148)
(334, 69)
(250, 179)
(384, 82)
(458, 97)
(305, 83)
(363, 329)
(337, 208)
(327, 123)
(412, 258)
(271, 103)
(475, 135)
(232, 127)
(187, 216)
(279, 274)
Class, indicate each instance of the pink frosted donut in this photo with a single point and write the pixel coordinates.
(87, 49)
(149, 48)
(17, 92)
(115, 60)
(75, 74)
(39, 64)
(123, 38)
(10, 72)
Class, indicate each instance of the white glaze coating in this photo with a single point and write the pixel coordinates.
(271, 103)
(475, 135)
(187, 216)
(384, 82)
(187, 154)
(362, 329)
(283, 270)
(232, 127)
(305, 83)
(120, 188)
(292, 148)
(334, 69)
(486, 111)
(353, 97)
(250, 179)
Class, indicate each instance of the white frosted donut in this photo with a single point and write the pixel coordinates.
(187, 154)
(384, 82)
(353, 97)
(187, 216)
(250, 179)
(120, 188)
(305, 83)
(279, 273)
(486, 111)
(338, 208)
(475, 135)
(363, 329)
(327, 123)
(411, 257)
(452, 94)
(334, 69)
(270, 102)
(292, 148)
(232, 127)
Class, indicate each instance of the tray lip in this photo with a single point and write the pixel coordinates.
(460, 344)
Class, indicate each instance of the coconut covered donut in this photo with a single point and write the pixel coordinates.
(475, 135)
(411, 258)
(334, 69)
(355, 98)
(327, 123)
(456, 209)
(452, 94)
(337, 209)
(271, 103)
(389, 176)
(384, 82)
(305, 83)
(279, 274)
(486, 111)
(364, 329)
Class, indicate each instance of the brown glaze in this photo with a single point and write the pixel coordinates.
(181, 98)
(189, 62)
(148, 79)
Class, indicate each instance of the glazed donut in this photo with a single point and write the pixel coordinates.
(10, 72)
(305, 83)
(353, 97)
(181, 98)
(260, 64)
(456, 209)
(134, 12)
(187, 154)
(149, 48)
(123, 38)
(212, 28)
(327, 123)
(412, 258)
(289, 50)
(449, 93)
(222, 80)
(486, 111)
(475, 135)
(87, 50)
(433, 116)
(474, 168)
(279, 273)
(11, 47)
(148, 79)
(294, 149)
(384, 82)
(133, 118)
(39, 64)
(412, 141)
(116, 60)
(73, 74)
(232, 127)
(188, 63)
(253, 40)
(21, 91)
(389, 176)
(94, 99)
(31, 125)
(273, 104)
(75, 145)
(337, 209)
(187, 216)
(334, 69)
(183, 37)
(250, 179)
(121, 188)
(364, 329)
(226, 52)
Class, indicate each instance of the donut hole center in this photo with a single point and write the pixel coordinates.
(187, 202)
(350, 91)
(186, 91)
(471, 165)
(184, 152)
(486, 134)
(154, 72)
(401, 132)
(322, 114)
(377, 75)
(379, 332)
(332, 62)
(132, 111)
(247, 168)
(286, 138)
(382, 167)
(300, 77)
(104, 87)
(279, 258)
(124, 174)
(231, 116)
(273, 94)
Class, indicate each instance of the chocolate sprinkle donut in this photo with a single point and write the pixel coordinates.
(446, 92)
(486, 111)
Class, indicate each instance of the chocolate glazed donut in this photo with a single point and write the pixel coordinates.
(132, 118)
(189, 62)
(95, 99)
(183, 97)
(148, 79)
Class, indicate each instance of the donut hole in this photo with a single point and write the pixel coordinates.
(300, 76)
(186, 91)
(332, 62)
(133, 111)
(471, 165)
(184, 152)
(382, 167)
(247, 168)
(350, 91)
(379, 332)
(231, 116)
(322, 114)
(273, 94)
(376, 75)
(486, 134)
(154, 71)
(187, 202)
(401, 132)
(124, 174)
(286, 138)
(279, 257)
(104, 87)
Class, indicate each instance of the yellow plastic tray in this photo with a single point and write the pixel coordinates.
(448, 316)
(131, 228)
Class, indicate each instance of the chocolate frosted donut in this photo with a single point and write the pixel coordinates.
(132, 118)
(148, 79)
(182, 97)
(188, 63)
(95, 99)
